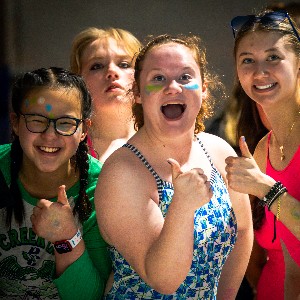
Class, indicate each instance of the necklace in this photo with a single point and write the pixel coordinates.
(281, 147)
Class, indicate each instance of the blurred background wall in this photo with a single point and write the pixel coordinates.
(39, 33)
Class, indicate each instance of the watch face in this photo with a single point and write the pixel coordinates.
(63, 247)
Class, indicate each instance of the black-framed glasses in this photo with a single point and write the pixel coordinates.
(271, 18)
(36, 123)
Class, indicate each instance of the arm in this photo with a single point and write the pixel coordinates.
(257, 261)
(292, 276)
(245, 176)
(160, 250)
(236, 264)
(78, 272)
(86, 277)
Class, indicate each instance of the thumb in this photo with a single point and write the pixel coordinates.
(62, 196)
(244, 148)
(176, 171)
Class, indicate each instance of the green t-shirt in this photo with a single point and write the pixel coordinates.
(27, 262)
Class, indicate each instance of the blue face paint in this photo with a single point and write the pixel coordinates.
(191, 86)
(48, 107)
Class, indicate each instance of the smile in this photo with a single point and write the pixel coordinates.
(49, 149)
(264, 87)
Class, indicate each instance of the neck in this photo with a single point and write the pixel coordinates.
(178, 148)
(107, 135)
(48, 183)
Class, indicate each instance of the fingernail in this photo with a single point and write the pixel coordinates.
(244, 139)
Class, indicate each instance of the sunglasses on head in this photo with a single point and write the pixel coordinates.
(272, 18)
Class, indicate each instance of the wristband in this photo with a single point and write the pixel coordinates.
(66, 246)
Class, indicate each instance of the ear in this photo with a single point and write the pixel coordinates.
(14, 121)
(136, 92)
(85, 128)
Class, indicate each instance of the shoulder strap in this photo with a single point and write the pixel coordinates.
(159, 181)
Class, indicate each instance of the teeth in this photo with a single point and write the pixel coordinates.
(172, 103)
(49, 150)
(262, 87)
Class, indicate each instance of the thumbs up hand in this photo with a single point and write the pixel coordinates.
(243, 173)
(54, 221)
(191, 188)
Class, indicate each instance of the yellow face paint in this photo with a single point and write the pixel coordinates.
(152, 88)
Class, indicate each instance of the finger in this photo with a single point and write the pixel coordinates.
(176, 171)
(244, 147)
(62, 196)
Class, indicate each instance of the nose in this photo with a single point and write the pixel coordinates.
(112, 71)
(261, 71)
(173, 87)
(51, 128)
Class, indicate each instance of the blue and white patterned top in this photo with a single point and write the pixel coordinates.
(215, 233)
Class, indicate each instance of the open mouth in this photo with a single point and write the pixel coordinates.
(265, 87)
(49, 149)
(173, 111)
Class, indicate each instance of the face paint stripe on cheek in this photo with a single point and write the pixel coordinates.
(152, 88)
(191, 86)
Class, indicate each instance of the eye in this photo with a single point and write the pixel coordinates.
(185, 77)
(125, 65)
(36, 119)
(159, 78)
(247, 61)
(97, 66)
(273, 57)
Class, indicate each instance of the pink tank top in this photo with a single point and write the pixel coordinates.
(290, 178)
(271, 281)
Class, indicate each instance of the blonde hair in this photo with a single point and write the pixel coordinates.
(123, 37)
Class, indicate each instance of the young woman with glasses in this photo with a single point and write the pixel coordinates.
(267, 54)
(50, 244)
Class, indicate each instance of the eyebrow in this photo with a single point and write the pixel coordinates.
(104, 57)
(161, 69)
(266, 51)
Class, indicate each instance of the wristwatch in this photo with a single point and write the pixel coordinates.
(66, 246)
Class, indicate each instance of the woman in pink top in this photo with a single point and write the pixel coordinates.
(267, 54)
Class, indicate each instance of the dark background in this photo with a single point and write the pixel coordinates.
(39, 33)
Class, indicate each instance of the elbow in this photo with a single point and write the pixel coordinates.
(165, 285)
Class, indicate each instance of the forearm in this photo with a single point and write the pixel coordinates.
(292, 276)
(288, 212)
(235, 266)
(169, 259)
(81, 280)
(86, 277)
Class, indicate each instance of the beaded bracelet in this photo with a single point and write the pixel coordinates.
(276, 191)
(280, 192)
